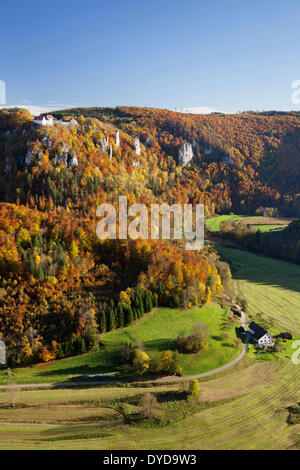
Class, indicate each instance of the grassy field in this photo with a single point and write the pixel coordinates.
(214, 223)
(157, 331)
(270, 286)
(246, 408)
(267, 228)
(265, 224)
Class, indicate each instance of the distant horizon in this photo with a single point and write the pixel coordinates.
(38, 110)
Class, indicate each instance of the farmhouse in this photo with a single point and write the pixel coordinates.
(260, 335)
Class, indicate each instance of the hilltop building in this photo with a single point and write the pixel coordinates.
(44, 120)
(49, 121)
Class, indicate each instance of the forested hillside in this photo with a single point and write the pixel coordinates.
(60, 286)
(240, 161)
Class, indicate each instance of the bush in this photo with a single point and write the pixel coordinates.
(169, 363)
(196, 341)
(148, 406)
(140, 361)
(242, 302)
(194, 388)
(126, 354)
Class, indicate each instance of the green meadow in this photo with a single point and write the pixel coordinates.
(214, 222)
(157, 331)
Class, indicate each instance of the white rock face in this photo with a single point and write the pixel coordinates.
(65, 148)
(227, 159)
(7, 167)
(117, 138)
(149, 142)
(185, 153)
(29, 157)
(137, 164)
(63, 158)
(137, 146)
(74, 160)
(208, 150)
(104, 143)
(47, 141)
(110, 152)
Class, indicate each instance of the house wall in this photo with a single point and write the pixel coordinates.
(265, 340)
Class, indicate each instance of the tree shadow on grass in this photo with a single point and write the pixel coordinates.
(172, 395)
(245, 338)
(261, 270)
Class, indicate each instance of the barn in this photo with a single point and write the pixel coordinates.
(260, 335)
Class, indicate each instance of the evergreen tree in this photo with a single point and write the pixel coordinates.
(111, 319)
(155, 299)
(120, 316)
(102, 322)
(129, 316)
(90, 337)
(40, 273)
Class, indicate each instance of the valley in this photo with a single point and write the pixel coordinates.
(93, 418)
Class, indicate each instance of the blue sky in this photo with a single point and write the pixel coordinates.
(229, 55)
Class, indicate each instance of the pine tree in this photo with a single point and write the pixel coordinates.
(155, 300)
(111, 319)
(102, 322)
(120, 316)
(90, 337)
(40, 273)
(129, 316)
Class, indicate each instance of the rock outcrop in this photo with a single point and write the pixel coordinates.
(104, 143)
(8, 166)
(137, 146)
(29, 157)
(73, 160)
(149, 142)
(117, 138)
(185, 154)
(227, 159)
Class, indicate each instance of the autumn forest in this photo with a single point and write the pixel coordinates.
(60, 286)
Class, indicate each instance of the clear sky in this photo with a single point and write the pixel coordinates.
(229, 55)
